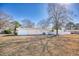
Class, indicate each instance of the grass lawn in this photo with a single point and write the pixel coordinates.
(66, 45)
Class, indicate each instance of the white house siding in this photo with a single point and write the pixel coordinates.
(29, 31)
(62, 32)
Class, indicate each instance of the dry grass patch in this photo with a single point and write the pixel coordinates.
(72, 36)
(40, 45)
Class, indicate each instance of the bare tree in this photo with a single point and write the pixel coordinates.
(70, 26)
(77, 26)
(43, 24)
(4, 20)
(7, 22)
(59, 15)
(28, 23)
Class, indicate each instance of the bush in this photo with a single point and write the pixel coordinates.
(15, 33)
(8, 31)
(52, 30)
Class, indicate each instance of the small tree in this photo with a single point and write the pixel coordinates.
(16, 25)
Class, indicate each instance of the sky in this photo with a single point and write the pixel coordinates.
(33, 11)
(75, 9)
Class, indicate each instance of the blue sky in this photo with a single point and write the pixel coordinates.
(32, 11)
(75, 9)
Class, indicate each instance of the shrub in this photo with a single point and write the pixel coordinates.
(52, 30)
(7, 31)
(15, 33)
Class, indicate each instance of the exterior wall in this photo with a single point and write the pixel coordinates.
(29, 31)
(62, 32)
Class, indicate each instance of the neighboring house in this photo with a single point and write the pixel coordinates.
(30, 31)
(1, 31)
(62, 32)
(36, 31)
(74, 31)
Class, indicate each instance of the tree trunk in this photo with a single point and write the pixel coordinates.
(15, 31)
(56, 31)
(57, 27)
